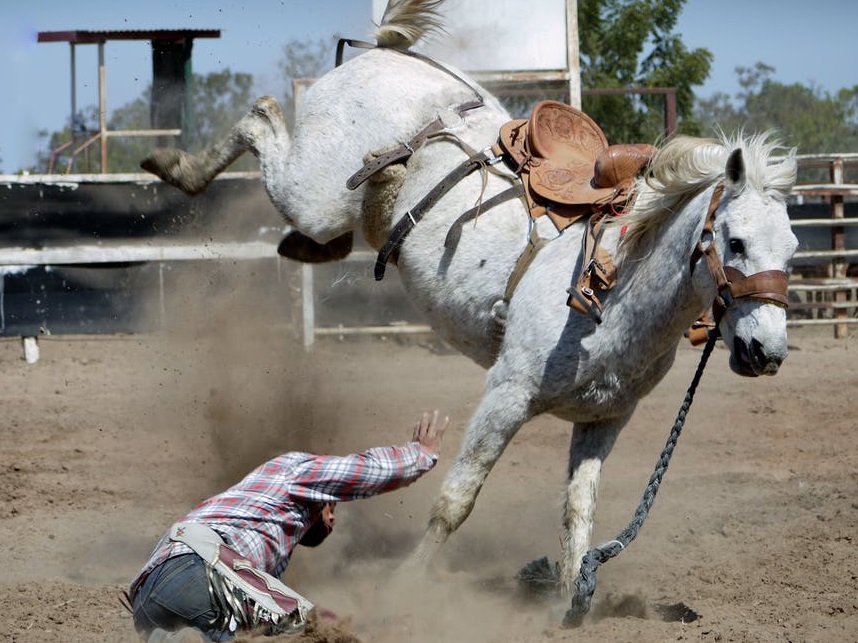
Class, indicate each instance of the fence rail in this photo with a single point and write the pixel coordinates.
(827, 299)
(127, 252)
(834, 298)
(15, 260)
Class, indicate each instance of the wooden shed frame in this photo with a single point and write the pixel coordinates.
(171, 70)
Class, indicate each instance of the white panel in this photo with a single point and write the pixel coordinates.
(498, 35)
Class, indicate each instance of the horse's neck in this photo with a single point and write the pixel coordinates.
(658, 294)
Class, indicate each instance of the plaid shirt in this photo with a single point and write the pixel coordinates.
(265, 515)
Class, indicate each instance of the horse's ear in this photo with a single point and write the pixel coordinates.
(736, 167)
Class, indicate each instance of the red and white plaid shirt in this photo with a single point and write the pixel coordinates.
(265, 515)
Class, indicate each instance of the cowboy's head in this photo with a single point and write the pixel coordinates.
(321, 527)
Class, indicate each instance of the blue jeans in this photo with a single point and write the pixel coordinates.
(176, 595)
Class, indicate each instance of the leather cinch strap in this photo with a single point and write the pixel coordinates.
(404, 151)
(401, 153)
(451, 241)
(390, 249)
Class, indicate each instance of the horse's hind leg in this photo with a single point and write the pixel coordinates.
(192, 173)
(502, 411)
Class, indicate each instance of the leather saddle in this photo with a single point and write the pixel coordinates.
(569, 171)
(566, 164)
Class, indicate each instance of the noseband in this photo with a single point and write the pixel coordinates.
(768, 286)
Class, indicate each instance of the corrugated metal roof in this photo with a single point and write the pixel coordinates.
(94, 37)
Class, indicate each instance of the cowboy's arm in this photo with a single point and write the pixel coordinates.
(374, 471)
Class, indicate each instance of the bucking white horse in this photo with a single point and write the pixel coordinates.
(707, 223)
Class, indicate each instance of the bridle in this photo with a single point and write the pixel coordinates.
(768, 286)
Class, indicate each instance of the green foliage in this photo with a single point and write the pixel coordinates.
(630, 44)
(220, 100)
(807, 117)
(303, 61)
(124, 154)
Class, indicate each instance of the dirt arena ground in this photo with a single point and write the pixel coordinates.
(109, 439)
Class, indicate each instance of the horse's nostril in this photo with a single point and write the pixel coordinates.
(762, 361)
(758, 354)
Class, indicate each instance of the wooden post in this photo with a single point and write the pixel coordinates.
(102, 106)
(573, 54)
(670, 112)
(838, 242)
(307, 309)
(73, 118)
(31, 349)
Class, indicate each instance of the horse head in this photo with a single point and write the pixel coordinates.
(754, 244)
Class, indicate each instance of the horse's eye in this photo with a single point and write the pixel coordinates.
(737, 246)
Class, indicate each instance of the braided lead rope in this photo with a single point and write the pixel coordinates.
(585, 584)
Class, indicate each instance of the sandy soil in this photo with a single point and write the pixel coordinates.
(108, 439)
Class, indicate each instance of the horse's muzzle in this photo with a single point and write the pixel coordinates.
(753, 360)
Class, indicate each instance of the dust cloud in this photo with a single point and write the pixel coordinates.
(242, 389)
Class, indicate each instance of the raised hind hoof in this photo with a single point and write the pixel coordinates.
(302, 248)
(176, 167)
(268, 107)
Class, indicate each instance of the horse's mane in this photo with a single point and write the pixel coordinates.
(685, 166)
(405, 22)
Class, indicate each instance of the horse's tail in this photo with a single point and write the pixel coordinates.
(405, 22)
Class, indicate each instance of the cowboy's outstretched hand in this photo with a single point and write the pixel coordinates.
(429, 431)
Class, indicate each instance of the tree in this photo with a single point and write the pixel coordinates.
(629, 43)
(303, 60)
(220, 100)
(807, 117)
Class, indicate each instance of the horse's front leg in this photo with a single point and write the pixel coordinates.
(501, 412)
(192, 173)
(591, 443)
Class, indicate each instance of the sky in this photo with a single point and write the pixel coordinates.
(806, 42)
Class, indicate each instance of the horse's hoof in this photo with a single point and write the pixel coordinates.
(176, 167)
(539, 580)
(268, 107)
(302, 248)
(675, 612)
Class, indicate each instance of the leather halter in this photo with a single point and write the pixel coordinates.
(768, 286)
